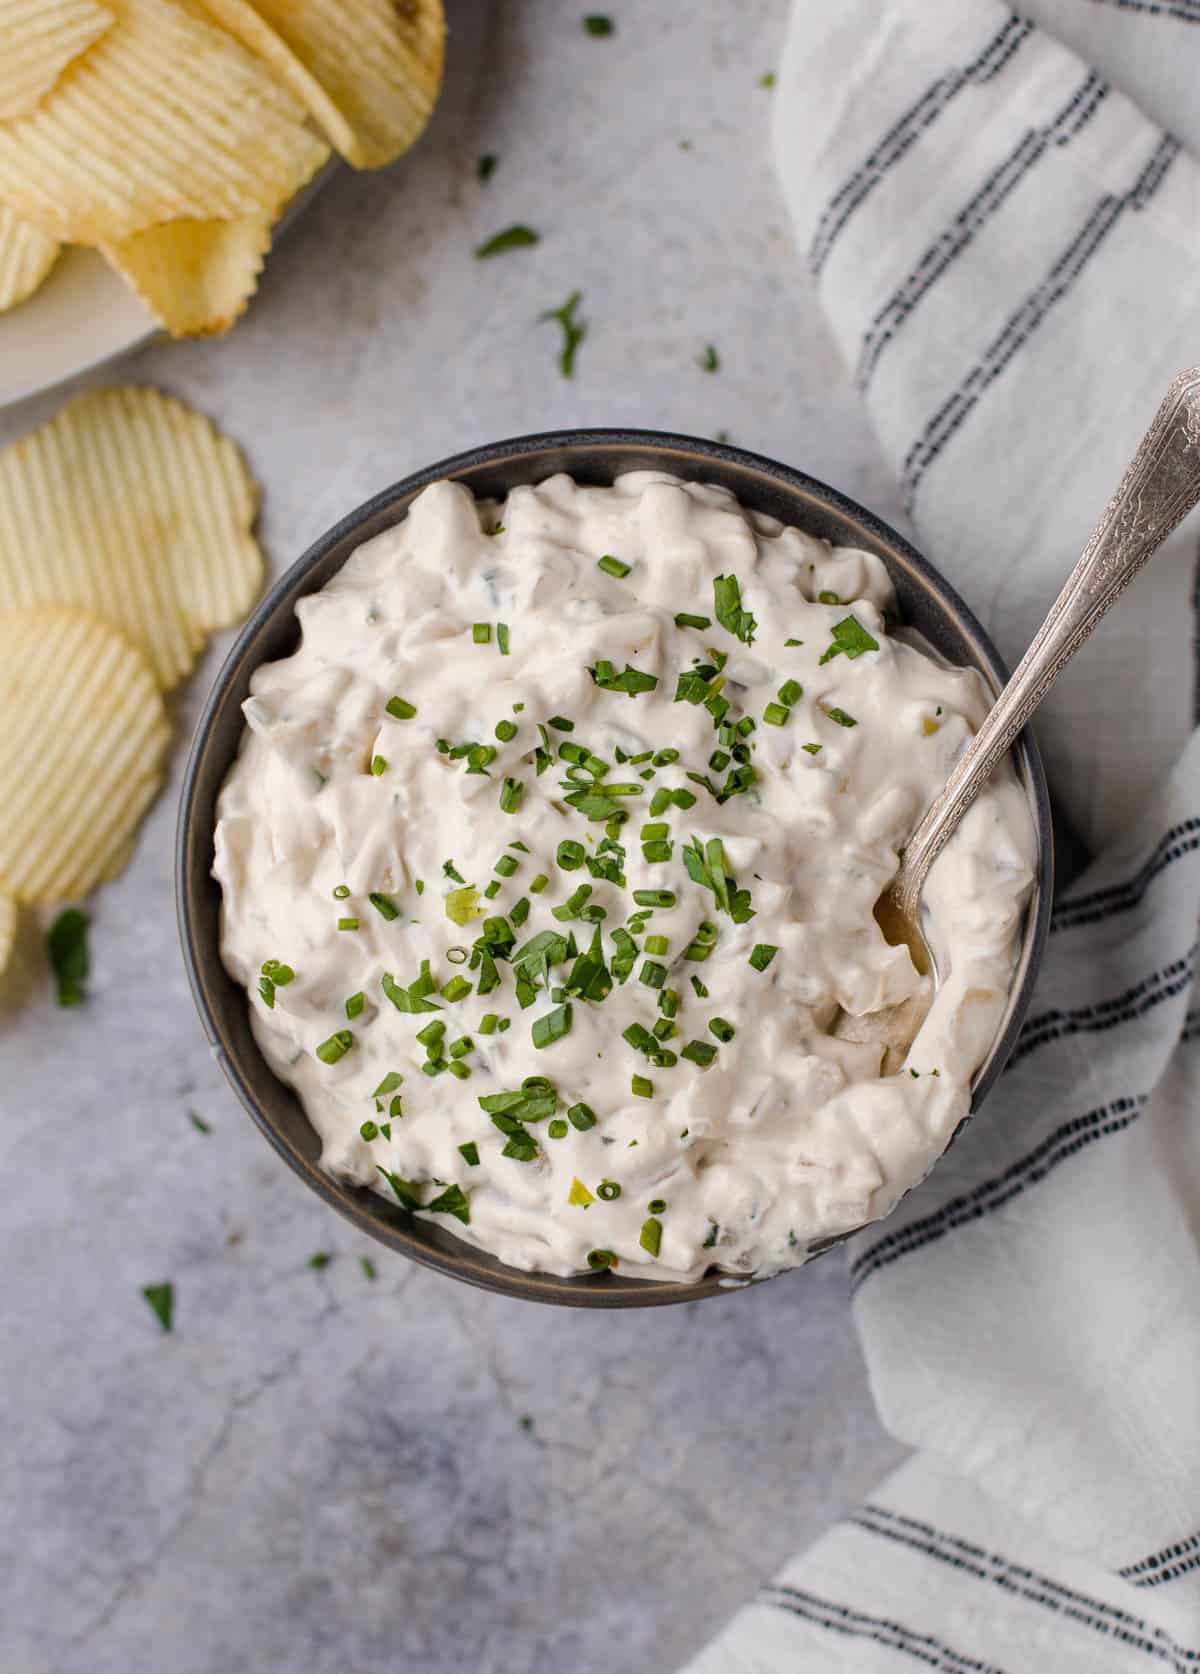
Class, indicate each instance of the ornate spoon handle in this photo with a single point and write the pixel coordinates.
(1157, 491)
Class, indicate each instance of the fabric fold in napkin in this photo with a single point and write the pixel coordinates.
(1005, 234)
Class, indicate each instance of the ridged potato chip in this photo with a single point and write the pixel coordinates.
(26, 257)
(8, 928)
(165, 118)
(131, 506)
(40, 38)
(378, 63)
(195, 277)
(82, 742)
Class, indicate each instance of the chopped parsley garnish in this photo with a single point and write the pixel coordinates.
(399, 709)
(598, 24)
(336, 1047)
(710, 360)
(850, 639)
(383, 905)
(762, 955)
(67, 951)
(651, 1236)
(516, 237)
(841, 717)
(727, 604)
(162, 1303)
(613, 566)
(574, 331)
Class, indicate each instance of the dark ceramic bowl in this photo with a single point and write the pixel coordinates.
(927, 602)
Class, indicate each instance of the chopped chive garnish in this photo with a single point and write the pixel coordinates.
(552, 1026)
(776, 715)
(519, 911)
(511, 238)
(651, 1236)
(561, 724)
(383, 905)
(481, 633)
(460, 1047)
(631, 681)
(657, 944)
(581, 1116)
(654, 897)
(319, 1260)
(337, 1046)
(812, 749)
(850, 639)
(355, 1004)
(342, 892)
(506, 865)
(456, 989)
(399, 709)
(598, 1260)
(161, 1299)
(642, 1087)
(431, 1034)
(449, 870)
(511, 792)
(793, 642)
(599, 25)
(369, 1130)
(558, 1129)
(608, 1191)
(699, 1052)
(652, 974)
(668, 1004)
(470, 1153)
(841, 717)
(762, 955)
(570, 855)
(655, 853)
(506, 731)
(613, 566)
(710, 360)
(684, 620)
(790, 693)
(826, 597)
(502, 637)
(722, 1029)
(664, 758)
(539, 883)
(493, 889)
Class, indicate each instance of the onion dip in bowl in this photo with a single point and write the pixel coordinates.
(548, 863)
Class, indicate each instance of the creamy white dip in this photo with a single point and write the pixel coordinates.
(384, 871)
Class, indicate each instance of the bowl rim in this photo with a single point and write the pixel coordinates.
(193, 848)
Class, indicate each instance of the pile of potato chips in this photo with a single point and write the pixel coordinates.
(125, 539)
(171, 134)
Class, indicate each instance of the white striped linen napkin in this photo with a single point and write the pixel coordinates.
(1006, 239)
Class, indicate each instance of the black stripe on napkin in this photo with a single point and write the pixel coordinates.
(1180, 840)
(1022, 324)
(1183, 11)
(905, 132)
(1064, 1142)
(1109, 1620)
(1173, 1561)
(1034, 144)
(1153, 991)
(856, 1624)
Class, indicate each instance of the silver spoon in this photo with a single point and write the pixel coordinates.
(1157, 491)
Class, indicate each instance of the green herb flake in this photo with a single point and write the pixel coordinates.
(850, 639)
(355, 1004)
(502, 638)
(485, 168)
(811, 749)
(453, 1201)
(574, 331)
(582, 1117)
(516, 237)
(370, 1271)
(161, 1299)
(699, 1052)
(378, 766)
(399, 709)
(598, 25)
(319, 1260)
(776, 715)
(552, 1026)
(710, 360)
(790, 693)
(384, 906)
(67, 952)
(511, 792)
(651, 1236)
(613, 566)
(762, 955)
(598, 1260)
(336, 1047)
(727, 605)
(642, 1087)
(841, 717)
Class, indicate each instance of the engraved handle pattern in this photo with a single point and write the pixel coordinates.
(1157, 491)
